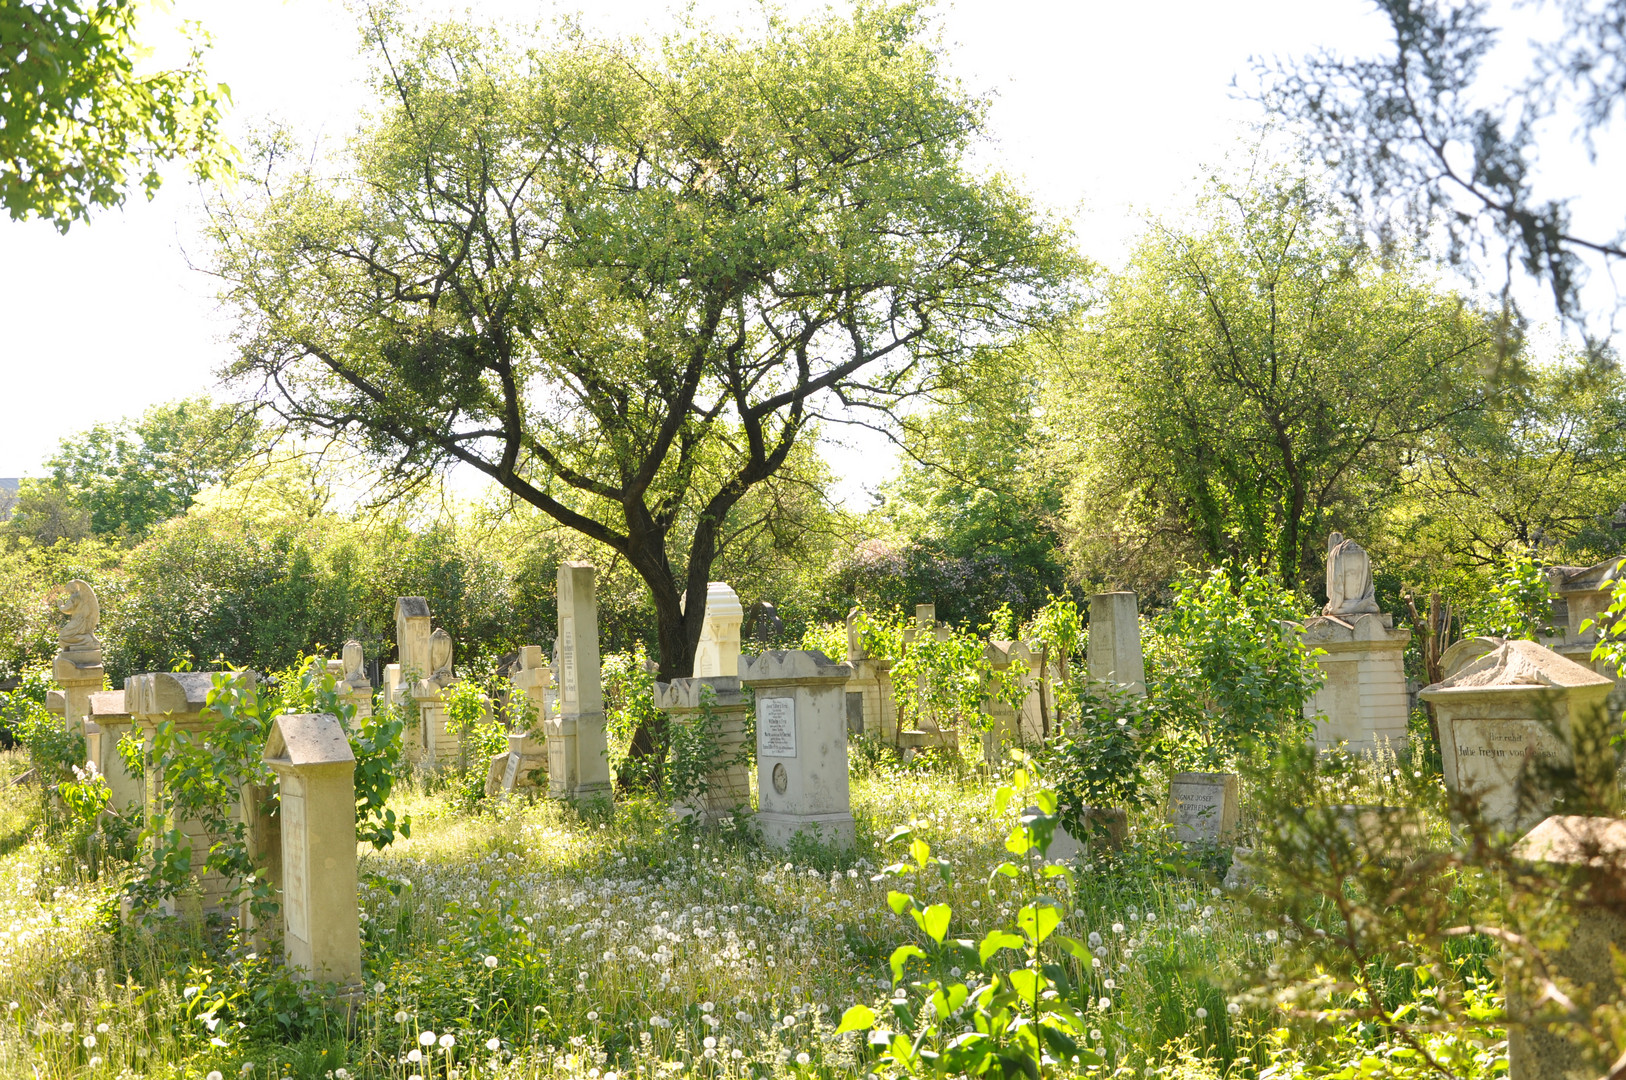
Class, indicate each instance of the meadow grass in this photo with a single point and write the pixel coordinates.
(529, 939)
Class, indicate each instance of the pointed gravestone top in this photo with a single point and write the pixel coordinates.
(307, 739)
(1519, 665)
(411, 607)
(1577, 841)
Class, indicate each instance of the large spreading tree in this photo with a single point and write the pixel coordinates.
(625, 281)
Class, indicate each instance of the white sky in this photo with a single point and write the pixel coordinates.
(1104, 109)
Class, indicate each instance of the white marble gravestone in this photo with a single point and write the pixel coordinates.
(801, 720)
(1362, 706)
(578, 753)
(1505, 714)
(1114, 643)
(1203, 807)
(719, 650)
(316, 779)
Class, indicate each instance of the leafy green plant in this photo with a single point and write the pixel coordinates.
(1518, 603)
(1020, 1021)
(1101, 761)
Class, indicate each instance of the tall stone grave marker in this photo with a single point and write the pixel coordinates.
(801, 746)
(1114, 646)
(1506, 713)
(1363, 703)
(1203, 807)
(78, 666)
(316, 776)
(578, 754)
(719, 649)
(719, 699)
(413, 625)
(438, 743)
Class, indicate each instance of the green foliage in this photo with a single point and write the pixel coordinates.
(78, 124)
(629, 706)
(128, 477)
(1101, 760)
(1250, 381)
(689, 224)
(1227, 675)
(695, 753)
(1026, 1017)
(1518, 603)
(942, 681)
(53, 750)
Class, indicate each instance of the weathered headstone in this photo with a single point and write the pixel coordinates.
(78, 666)
(1586, 593)
(1511, 713)
(719, 700)
(412, 629)
(108, 724)
(316, 777)
(354, 688)
(1114, 645)
(1460, 654)
(719, 650)
(870, 706)
(1012, 725)
(1203, 807)
(437, 743)
(181, 699)
(578, 753)
(801, 746)
(1363, 704)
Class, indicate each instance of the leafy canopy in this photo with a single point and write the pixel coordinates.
(624, 280)
(79, 124)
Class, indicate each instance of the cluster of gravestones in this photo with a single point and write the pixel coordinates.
(1500, 706)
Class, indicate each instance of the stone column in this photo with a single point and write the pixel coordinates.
(1505, 712)
(1363, 703)
(1114, 646)
(801, 746)
(728, 784)
(179, 698)
(316, 777)
(578, 753)
(719, 649)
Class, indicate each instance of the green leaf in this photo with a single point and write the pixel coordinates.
(1002, 799)
(857, 1018)
(1037, 921)
(902, 832)
(997, 940)
(1026, 982)
(921, 851)
(1018, 843)
(899, 902)
(1075, 947)
(901, 956)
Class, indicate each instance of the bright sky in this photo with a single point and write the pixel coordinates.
(1106, 110)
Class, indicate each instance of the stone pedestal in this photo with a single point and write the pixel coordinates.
(1588, 856)
(1114, 644)
(78, 678)
(801, 746)
(180, 698)
(728, 785)
(719, 650)
(1509, 714)
(316, 777)
(1363, 704)
(578, 752)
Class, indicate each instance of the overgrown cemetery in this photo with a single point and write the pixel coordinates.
(687, 567)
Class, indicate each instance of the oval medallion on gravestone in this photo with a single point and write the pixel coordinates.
(781, 779)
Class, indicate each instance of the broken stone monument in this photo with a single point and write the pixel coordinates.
(353, 686)
(524, 765)
(78, 666)
(801, 746)
(1362, 705)
(718, 700)
(578, 754)
(316, 780)
(1508, 715)
(1114, 653)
